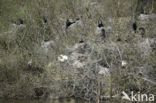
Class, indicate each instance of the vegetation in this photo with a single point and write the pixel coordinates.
(30, 68)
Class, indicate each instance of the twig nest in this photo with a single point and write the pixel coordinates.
(78, 64)
(62, 58)
(104, 71)
(47, 44)
(99, 30)
(18, 26)
(146, 18)
(124, 63)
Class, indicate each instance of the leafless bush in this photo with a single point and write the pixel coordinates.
(95, 69)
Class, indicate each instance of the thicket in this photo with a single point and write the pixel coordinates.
(46, 74)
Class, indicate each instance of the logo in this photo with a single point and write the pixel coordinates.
(138, 97)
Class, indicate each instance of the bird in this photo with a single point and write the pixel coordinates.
(100, 30)
(119, 39)
(69, 23)
(77, 19)
(81, 41)
(38, 92)
(142, 31)
(135, 27)
(46, 40)
(100, 25)
(62, 58)
(124, 63)
(21, 21)
(103, 33)
(45, 19)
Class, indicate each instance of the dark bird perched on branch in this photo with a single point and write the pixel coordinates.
(100, 25)
(21, 21)
(69, 23)
(101, 30)
(142, 31)
(39, 92)
(119, 39)
(45, 19)
(77, 19)
(46, 40)
(81, 41)
(135, 27)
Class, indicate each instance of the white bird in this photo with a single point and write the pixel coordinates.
(124, 63)
(62, 58)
